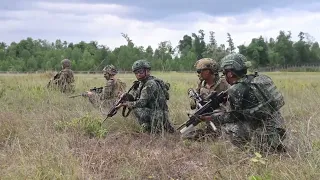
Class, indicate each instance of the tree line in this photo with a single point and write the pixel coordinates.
(33, 55)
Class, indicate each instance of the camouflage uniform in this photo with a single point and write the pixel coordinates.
(64, 79)
(150, 105)
(249, 118)
(220, 84)
(110, 91)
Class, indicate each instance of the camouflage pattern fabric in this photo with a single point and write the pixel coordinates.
(206, 63)
(220, 85)
(140, 64)
(110, 69)
(204, 130)
(64, 82)
(113, 88)
(235, 61)
(250, 119)
(150, 107)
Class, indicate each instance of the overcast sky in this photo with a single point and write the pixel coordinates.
(148, 22)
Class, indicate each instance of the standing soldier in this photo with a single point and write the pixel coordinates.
(210, 81)
(64, 79)
(150, 100)
(110, 92)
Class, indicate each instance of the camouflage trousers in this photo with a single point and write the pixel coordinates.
(68, 88)
(153, 121)
(264, 138)
(64, 88)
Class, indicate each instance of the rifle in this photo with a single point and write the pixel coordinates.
(123, 98)
(214, 103)
(84, 94)
(195, 96)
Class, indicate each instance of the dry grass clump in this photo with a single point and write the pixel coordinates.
(46, 135)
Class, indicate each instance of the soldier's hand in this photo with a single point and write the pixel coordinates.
(120, 94)
(89, 93)
(206, 118)
(121, 105)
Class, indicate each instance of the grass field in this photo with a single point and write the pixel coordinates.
(46, 135)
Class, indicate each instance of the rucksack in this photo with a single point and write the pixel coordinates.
(270, 93)
(164, 86)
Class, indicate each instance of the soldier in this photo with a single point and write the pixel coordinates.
(110, 92)
(210, 81)
(254, 114)
(150, 104)
(64, 79)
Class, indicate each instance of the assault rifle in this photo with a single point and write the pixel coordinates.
(196, 97)
(214, 103)
(123, 98)
(84, 94)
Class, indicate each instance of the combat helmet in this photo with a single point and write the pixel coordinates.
(206, 63)
(141, 64)
(235, 61)
(110, 69)
(66, 63)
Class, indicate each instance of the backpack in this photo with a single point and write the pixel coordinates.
(164, 86)
(269, 91)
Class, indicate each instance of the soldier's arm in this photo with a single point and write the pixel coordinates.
(147, 94)
(107, 90)
(71, 77)
(235, 96)
(121, 87)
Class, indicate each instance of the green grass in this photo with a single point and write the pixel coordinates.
(46, 135)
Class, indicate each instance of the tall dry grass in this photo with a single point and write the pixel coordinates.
(46, 135)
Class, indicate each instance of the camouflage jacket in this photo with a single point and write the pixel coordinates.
(219, 85)
(245, 105)
(149, 95)
(112, 89)
(64, 81)
(109, 93)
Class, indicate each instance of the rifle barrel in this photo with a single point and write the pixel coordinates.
(75, 96)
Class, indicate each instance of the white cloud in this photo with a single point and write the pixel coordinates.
(85, 7)
(105, 23)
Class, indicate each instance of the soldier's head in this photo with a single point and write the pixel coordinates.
(141, 68)
(206, 68)
(66, 63)
(234, 67)
(109, 71)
